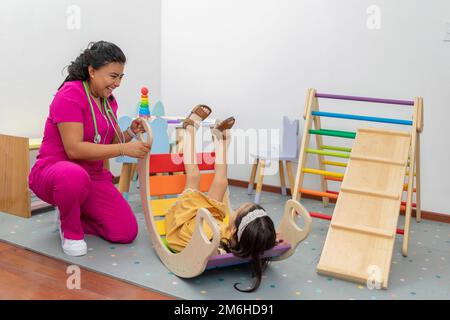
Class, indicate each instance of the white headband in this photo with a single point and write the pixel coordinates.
(258, 213)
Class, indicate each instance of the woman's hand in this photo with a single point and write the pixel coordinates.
(136, 149)
(137, 127)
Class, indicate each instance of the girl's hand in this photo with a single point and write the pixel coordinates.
(136, 126)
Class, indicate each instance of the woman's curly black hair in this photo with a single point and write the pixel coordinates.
(97, 54)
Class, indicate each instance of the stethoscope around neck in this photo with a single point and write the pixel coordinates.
(108, 112)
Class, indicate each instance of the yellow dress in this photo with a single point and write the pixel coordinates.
(180, 218)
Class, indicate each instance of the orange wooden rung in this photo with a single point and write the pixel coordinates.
(405, 188)
(163, 185)
(333, 178)
(319, 193)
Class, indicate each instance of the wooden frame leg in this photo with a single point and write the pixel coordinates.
(290, 175)
(125, 178)
(179, 136)
(133, 174)
(282, 177)
(409, 198)
(133, 171)
(418, 205)
(260, 181)
(251, 181)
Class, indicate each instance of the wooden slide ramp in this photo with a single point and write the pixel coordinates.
(361, 236)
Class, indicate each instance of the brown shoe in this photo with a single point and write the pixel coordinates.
(221, 126)
(200, 110)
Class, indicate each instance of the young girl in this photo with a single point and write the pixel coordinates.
(250, 230)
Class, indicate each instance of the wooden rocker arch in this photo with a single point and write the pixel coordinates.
(201, 253)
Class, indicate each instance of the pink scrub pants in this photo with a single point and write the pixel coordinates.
(88, 204)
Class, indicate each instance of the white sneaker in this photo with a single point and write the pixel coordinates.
(70, 247)
(74, 248)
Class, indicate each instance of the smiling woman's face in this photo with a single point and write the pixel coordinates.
(105, 79)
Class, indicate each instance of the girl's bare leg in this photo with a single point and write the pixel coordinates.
(190, 159)
(220, 182)
(189, 153)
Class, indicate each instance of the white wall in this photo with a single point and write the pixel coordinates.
(36, 44)
(255, 59)
(252, 59)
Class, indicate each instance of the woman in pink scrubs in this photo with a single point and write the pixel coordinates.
(80, 132)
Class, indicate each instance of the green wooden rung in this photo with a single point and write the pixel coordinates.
(334, 133)
(328, 153)
(336, 148)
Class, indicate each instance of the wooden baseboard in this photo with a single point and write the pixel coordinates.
(427, 215)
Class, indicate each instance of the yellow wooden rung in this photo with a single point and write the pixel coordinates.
(160, 206)
(34, 144)
(405, 187)
(334, 163)
(161, 227)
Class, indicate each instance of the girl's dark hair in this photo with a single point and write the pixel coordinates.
(96, 55)
(258, 236)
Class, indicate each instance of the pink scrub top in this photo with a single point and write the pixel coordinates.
(71, 104)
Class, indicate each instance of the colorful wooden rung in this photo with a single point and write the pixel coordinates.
(35, 144)
(167, 185)
(320, 215)
(336, 148)
(333, 179)
(160, 206)
(323, 172)
(319, 193)
(405, 188)
(334, 163)
(361, 118)
(173, 162)
(328, 153)
(364, 99)
(333, 133)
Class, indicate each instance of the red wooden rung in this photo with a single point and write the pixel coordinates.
(320, 215)
(173, 162)
(414, 205)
